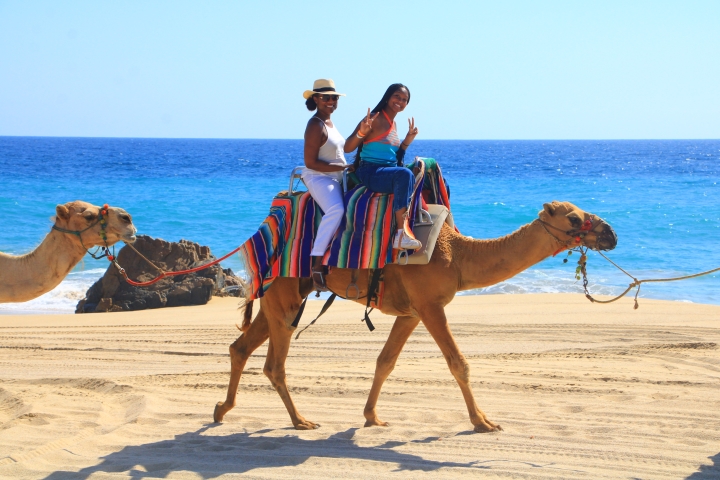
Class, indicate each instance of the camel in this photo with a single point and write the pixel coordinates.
(416, 293)
(77, 227)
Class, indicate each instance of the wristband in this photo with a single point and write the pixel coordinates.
(360, 136)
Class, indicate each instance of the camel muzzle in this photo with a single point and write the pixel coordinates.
(607, 238)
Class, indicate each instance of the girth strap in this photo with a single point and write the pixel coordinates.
(372, 294)
(324, 309)
(299, 314)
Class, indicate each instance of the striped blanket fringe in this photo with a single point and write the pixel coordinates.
(281, 246)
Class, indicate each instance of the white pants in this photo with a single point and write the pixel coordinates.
(326, 190)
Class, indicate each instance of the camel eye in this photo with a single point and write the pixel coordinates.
(575, 221)
(89, 216)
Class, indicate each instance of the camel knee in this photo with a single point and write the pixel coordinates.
(459, 367)
(276, 374)
(385, 365)
(239, 352)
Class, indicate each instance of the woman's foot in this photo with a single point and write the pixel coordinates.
(405, 242)
(318, 277)
(318, 274)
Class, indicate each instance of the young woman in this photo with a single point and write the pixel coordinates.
(381, 152)
(324, 162)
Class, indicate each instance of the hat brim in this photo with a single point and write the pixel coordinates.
(309, 93)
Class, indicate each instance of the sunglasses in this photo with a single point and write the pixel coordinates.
(329, 98)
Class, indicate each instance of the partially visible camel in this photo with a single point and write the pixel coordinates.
(28, 276)
(416, 293)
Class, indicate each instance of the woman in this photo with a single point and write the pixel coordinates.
(324, 162)
(380, 152)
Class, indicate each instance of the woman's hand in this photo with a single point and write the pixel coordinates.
(412, 132)
(366, 125)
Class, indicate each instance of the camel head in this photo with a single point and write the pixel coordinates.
(84, 217)
(572, 226)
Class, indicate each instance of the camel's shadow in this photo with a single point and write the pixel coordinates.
(707, 472)
(210, 456)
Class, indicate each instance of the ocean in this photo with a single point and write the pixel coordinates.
(661, 196)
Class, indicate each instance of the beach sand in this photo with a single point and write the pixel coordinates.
(582, 390)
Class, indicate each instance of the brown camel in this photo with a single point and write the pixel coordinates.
(28, 276)
(416, 293)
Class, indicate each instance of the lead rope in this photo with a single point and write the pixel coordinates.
(635, 283)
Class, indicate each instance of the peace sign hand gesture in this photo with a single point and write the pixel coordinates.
(366, 125)
(412, 132)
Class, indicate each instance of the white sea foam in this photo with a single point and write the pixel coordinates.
(61, 299)
(546, 281)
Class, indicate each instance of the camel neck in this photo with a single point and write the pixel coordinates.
(28, 276)
(487, 262)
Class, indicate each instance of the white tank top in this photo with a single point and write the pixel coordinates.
(333, 150)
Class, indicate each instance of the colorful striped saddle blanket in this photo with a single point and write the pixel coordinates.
(281, 247)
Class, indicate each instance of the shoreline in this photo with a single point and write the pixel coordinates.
(311, 299)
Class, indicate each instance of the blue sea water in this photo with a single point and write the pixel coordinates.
(662, 198)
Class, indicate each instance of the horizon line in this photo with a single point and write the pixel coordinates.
(421, 140)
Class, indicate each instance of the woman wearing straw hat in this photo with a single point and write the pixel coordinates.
(380, 154)
(324, 162)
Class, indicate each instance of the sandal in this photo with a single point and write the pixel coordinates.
(318, 278)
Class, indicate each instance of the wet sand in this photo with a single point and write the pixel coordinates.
(582, 391)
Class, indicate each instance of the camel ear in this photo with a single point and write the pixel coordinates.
(549, 208)
(62, 212)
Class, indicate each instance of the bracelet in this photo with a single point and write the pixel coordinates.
(360, 136)
(403, 145)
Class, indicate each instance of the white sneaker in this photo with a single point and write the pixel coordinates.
(403, 242)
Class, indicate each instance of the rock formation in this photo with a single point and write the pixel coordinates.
(113, 294)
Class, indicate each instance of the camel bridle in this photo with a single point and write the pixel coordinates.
(102, 215)
(576, 236)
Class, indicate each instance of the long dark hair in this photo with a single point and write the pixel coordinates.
(381, 104)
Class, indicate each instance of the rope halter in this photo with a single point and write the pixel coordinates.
(102, 216)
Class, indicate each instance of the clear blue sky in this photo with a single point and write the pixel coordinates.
(476, 70)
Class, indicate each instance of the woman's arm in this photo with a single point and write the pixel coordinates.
(364, 129)
(315, 137)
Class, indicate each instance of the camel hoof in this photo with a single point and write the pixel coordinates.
(218, 414)
(376, 423)
(487, 428)
(306, 425)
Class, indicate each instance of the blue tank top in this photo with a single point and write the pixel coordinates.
(382, 149)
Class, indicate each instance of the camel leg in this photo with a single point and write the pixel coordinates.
(240, 351)
(436, 323)
(401, 331)
(280, 336)
(281, 304)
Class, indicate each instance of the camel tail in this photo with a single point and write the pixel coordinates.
(246, 304)
(247, 316)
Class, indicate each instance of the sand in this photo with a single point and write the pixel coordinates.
(582, 390)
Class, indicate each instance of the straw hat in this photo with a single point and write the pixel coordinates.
(322, 85)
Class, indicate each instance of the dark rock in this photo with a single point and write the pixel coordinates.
(104, 305)
(113, 293)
